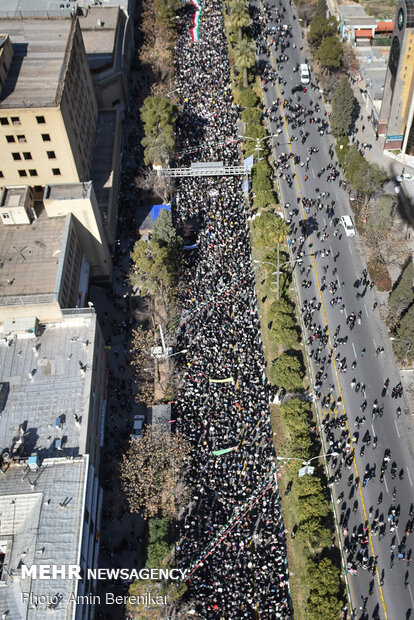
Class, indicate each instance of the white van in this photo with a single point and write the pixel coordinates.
(304, 74)
(348, 225)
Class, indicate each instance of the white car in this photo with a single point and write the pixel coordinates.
(304, 74)
(404, 177)
(348, 225)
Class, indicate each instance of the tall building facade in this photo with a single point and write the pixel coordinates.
(397, 110)
(48, 109)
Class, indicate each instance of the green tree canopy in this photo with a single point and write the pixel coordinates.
(239, 16)
(314, 532)
(321, 9)
(330, 52)
(343, 106)
(269, 230)
(320, 28)
(404, 347)
(158, 116)
(154, 268)
(288, 372)
(166, 10)
(364, 177)
(164, 232)
(323, 576)
(248, 98)
(245, 57)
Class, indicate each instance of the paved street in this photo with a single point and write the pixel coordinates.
(389, 592)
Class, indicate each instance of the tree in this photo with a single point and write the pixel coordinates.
(321, 9)
(148, 180)
(158, 116)
(315, 532)
(404, 347)
(364, 177)
(164, 232)
(245, 57)
(249, 99)
(150, 597)
(263, 199)
(343, 106)
(330, 52)
(239, 16)
(287, 372)
(320, 28)
(166, 10)
(269, 230)
(379, 213)
(313, 506)
(323, 578)
(402, 295)
(150, 473)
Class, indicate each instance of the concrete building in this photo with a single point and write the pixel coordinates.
(43, 269)
(79, 199)
(51, 429)
(108, 36)
(397, 110)
(372, 63)
(48, 110)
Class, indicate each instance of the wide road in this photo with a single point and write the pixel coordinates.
(388, 591)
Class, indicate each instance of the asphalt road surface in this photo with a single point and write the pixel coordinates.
(388, 591)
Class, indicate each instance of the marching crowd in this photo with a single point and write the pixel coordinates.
(231, 540)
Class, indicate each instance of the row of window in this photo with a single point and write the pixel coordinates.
(15, 120)
(26, 155)
(22, 138)
(33, 173)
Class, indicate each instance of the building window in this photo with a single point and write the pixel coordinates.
(33, 173)
(22, 173)
(41, 120)
(10, 139)
(56, 171)
(45, 137)
(16, 156)
(5, 216)
(38, 188)
(51, 154)
(27, 155)
(21, 138)
(4, 121)
(15, 120)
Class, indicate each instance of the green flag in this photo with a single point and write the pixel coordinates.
(220, 452)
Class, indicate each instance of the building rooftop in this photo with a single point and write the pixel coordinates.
(29, 256)
(68, 191)
(37, 8)
(39, 47)
(14, 196)
(99, 28)
(47, 382)
(42, 516)
(351, 10)
(159, 416)
(360, 21)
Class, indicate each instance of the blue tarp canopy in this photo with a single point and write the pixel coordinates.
(156, 210)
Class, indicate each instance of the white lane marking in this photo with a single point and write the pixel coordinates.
(339, 284)
(313, 172)
(411, 594)
(350, 251)
(353, 348)
(385, 482)
(409, 477)
(366, 310)
(373, 430)
(375, 346)
(324, 221)
(398, 432)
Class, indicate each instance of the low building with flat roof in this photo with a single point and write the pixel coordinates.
(42, 269)
(51, 429)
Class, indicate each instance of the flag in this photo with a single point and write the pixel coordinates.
(229, 380)
(220, 452)
(195, 30)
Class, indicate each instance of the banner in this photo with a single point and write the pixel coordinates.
(229, 380)
(195, 30)
(220, 452)
(190, 247)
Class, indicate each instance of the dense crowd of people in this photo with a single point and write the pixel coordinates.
(231, 538)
